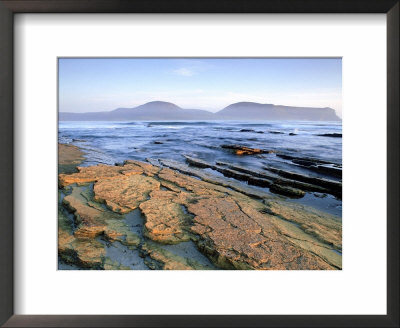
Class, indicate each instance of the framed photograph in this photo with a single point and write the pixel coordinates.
(169, 187)
(199, 164)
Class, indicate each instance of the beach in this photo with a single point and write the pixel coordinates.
(235, 204)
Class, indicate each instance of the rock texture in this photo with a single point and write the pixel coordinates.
(243, 150)
(316, 165)
(69, 157)
(159, 258)
(132, 190)
(79, 244)
(234, 226)
(278, 181)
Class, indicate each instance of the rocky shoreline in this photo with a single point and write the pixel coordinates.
(168, 215)
(69, 156)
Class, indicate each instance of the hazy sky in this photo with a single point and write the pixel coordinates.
(87, 85)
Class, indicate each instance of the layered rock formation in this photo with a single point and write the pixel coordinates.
(234, 226)
(281, 182)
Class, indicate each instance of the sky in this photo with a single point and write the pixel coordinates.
(103, 84)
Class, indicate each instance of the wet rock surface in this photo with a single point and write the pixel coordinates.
(334, 187)
(161, 258)
(69, 157)
(316, 165)
(332, 135)
(251, 131)
(278, 181)
(243, 150)
(228, 224)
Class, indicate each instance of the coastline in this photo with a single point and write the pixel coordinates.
(69, 156)
(157, 215)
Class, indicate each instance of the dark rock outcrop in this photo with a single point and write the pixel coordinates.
(325, 183)
(332, 135)
(316, 165)
(280, 182)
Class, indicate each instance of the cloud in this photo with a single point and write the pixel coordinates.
(184, 71)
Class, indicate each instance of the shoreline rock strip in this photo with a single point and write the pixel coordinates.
(69, 156)
(280, 182)
(332, 135)
(321, 182)
(233, 230)
(316, 165)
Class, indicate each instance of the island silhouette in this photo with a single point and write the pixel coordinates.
(161, 111)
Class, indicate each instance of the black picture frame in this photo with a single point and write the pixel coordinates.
(10, 7)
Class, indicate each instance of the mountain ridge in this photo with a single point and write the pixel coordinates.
(161, 110)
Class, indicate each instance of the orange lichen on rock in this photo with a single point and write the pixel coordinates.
(243, 150)
(248, 152)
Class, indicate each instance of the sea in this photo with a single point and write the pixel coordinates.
(113, 142)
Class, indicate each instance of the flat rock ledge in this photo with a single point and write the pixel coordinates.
(69, 156)
(234, 228)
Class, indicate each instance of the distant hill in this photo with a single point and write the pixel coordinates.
(155, 110)
(256, 111)
(165, 111)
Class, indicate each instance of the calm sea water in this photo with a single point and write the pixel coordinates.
(114, 142)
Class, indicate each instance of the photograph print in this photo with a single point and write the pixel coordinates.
(199, 164)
